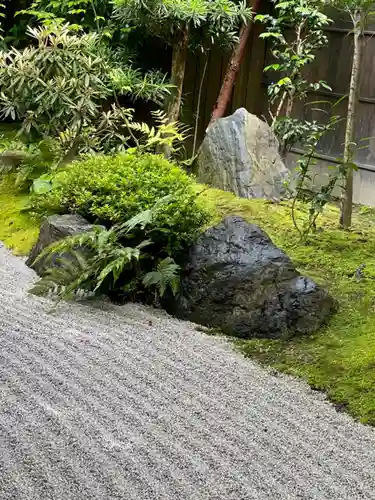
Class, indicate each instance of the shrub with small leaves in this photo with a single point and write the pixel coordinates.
(112, 189)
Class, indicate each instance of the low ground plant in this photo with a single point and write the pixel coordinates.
(124, 262)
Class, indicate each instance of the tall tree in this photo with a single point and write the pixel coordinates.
(359, 11)
(179, 23)
(233, 66)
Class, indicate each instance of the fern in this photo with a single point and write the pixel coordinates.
(67, 281)
(164, 134)
(166, 275)
(119, 260)
(94, 261)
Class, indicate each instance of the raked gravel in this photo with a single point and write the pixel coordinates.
(105, 402)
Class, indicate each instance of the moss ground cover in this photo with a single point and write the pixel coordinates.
(18, 230)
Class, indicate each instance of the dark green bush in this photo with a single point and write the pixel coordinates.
(112, 189)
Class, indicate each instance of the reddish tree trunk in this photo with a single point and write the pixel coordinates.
(233, 67)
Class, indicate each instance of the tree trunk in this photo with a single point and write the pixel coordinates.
(233, 68)
(179, 55)
(347, 195)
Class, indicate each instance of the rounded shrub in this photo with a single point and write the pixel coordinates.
(112, 189)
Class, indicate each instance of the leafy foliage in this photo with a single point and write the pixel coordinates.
(55, 85)
(58, 87)
(216, 21)
(112, 189)
(295, 33)
(30, 162)
(316, 198)
(109, 261)
(164, 133)
(128, 81)
(367, 7)
(89, 15)
(165, 275)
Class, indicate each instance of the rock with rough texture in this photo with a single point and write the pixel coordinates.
(240, 154)
(238, 280)
(53, 229)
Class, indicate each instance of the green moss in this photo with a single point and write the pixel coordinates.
(339, 359)
(18, 230)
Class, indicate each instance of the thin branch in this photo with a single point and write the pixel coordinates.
(199, 105)
(96, 15)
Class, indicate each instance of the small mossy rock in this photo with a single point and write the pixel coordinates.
(54, 228)
(236, 279)
(240, 153)
(13, 159)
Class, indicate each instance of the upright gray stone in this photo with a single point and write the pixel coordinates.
(236, 279)
(54, 228)
(240, 154)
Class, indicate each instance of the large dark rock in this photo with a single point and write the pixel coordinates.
(240, 153)
(238, 280)
(53, 229)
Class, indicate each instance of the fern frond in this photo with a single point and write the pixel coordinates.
(143, 128)
(160, 117)
(144, 218)
(124, 257)
(68, 280)
(88, 238)
(166, 275)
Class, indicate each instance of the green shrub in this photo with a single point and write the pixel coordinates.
(112, 189)
(30, 162)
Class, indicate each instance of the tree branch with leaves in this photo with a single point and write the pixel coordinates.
(295, 32)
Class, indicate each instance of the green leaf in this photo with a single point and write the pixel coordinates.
(274, 67)
(271, 35)
(41, 186)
